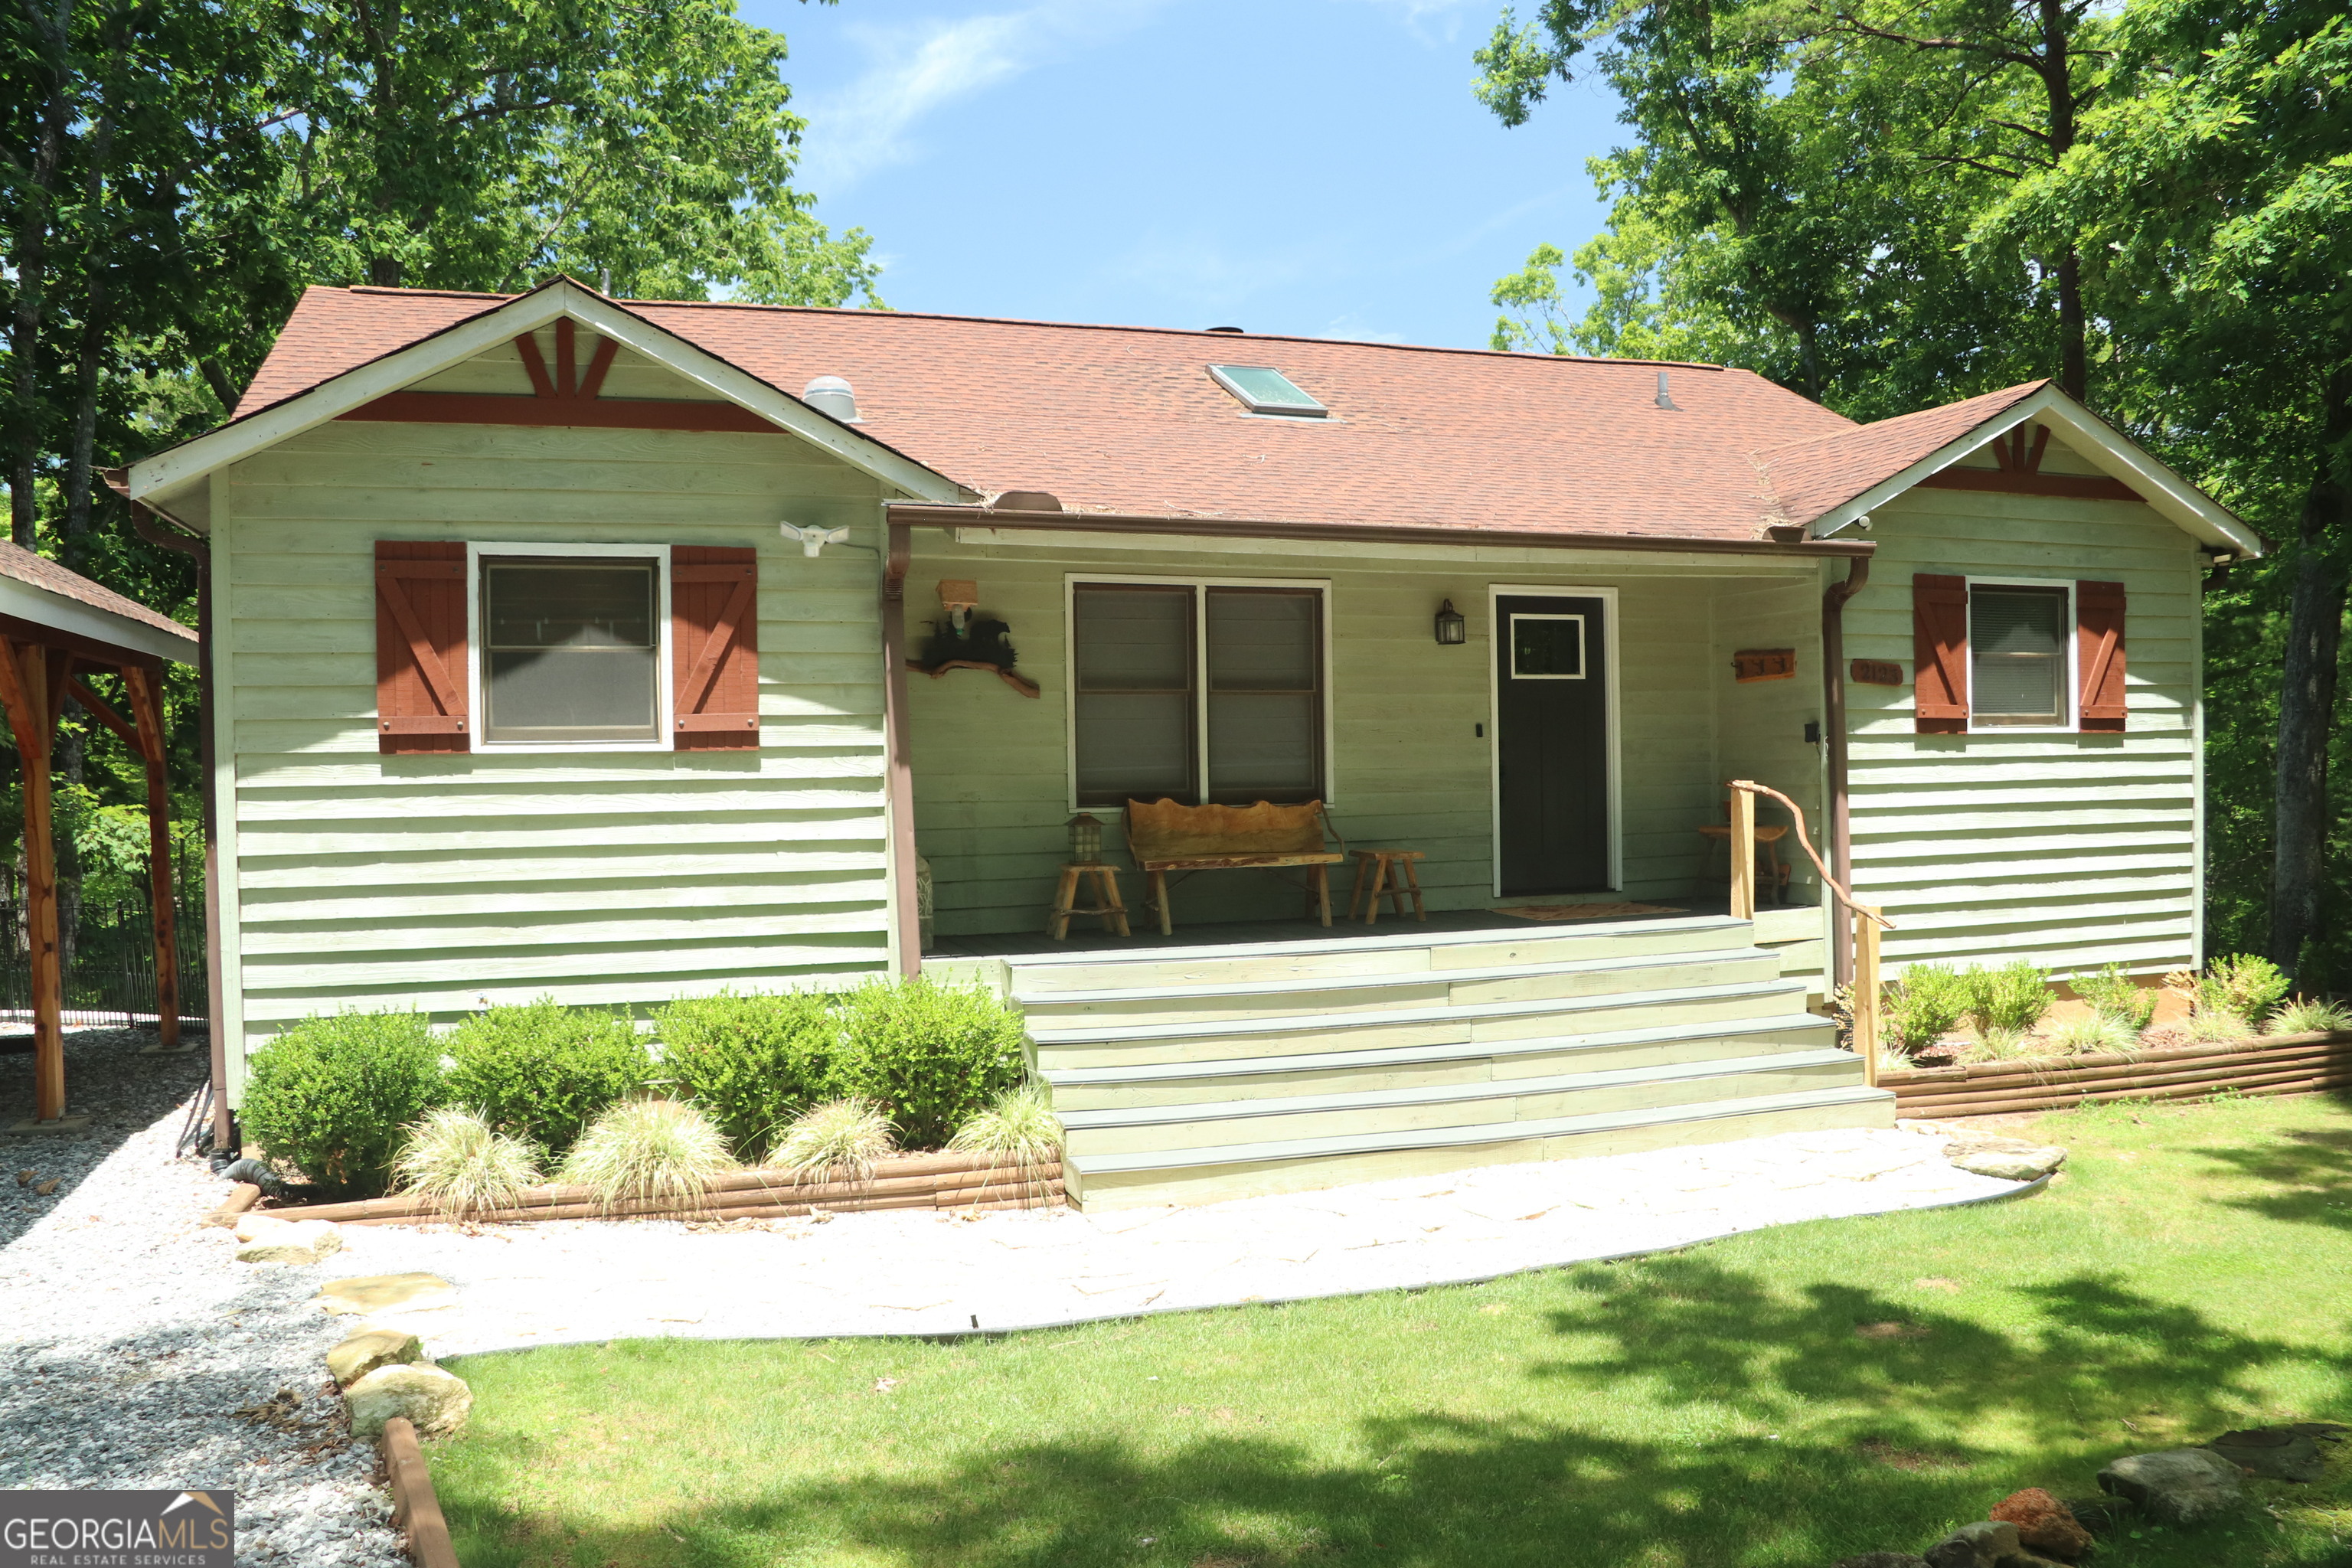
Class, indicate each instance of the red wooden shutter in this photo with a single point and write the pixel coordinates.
(420, 647)
(714, 648)
(2099, 654)
(1940, 650)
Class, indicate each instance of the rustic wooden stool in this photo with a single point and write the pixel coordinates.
(1771, 871)
(1106, 903)
(1393, 873)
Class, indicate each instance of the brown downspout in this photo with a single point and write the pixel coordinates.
(195, 546)
(1833, 602)
(900, 777)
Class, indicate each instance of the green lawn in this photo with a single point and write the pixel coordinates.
(2191, 1271)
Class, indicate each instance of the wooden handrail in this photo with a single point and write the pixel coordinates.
(1797, 815)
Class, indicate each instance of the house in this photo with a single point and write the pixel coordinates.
(560, 645)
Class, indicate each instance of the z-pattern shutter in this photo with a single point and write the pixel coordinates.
(1940, 637)
(420, 647)
(2099, 654)
(714, 648)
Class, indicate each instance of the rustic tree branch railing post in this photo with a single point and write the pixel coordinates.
(1868, 921)
(24, 686)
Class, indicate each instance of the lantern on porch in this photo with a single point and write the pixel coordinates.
(1086, 839)
(1451, 630)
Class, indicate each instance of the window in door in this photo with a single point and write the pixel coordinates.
(2017, 656)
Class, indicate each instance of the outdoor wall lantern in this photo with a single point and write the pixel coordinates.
(1451, 630)
(1086, 839)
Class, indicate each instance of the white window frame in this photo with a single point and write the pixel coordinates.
(664, 678)
(1583, 651)
(2069, 695)
(1070, 581)
(1612, 619)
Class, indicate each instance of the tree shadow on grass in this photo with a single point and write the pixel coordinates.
(1747, 1428)
(2308, 1173)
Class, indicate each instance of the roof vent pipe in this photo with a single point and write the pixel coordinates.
(1223, 328)
(1665, 398)
(831, 394)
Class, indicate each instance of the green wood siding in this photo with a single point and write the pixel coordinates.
(2074, 850)
(615, 878)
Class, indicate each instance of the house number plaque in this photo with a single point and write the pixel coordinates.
(1877, 672)
(1764, 664)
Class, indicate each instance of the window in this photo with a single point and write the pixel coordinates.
(2017, 656)
(1547, 647)
(570, 649)
(1197, 691)
(1265, 389)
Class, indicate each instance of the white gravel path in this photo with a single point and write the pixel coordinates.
(904, 1272)
(131, 1335)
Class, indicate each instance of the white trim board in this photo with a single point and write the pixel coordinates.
(1611, 616)
(665, 676)
(31, 602)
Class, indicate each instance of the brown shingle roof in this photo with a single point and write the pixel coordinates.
(1126, 419)
(40, 571)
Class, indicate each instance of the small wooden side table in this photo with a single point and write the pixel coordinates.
(1107, 904)
(1392, 872)
(1771, 871)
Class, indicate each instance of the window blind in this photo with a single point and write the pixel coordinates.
(1265, 700)
(1132, 652)
(2017, 656)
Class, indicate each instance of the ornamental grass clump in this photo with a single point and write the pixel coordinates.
(2245, 986)
(461, 1165)
(839, 1141)
(2309, 1016)
(2093, 1033)
(2012, 1000)
(331, 1096)
(1923, 1007)
(648, 1151)
(541, 1071)
(1018, 1130)
(2214, 1026)
(752, 1061)
(2114, 994)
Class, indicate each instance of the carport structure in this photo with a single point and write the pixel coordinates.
(55, 624)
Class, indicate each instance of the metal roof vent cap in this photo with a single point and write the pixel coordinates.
(831, 394)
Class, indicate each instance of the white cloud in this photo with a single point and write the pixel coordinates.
(922, 67)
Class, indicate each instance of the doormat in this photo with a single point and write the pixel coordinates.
(1587, 912)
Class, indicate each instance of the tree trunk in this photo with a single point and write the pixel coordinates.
(2307, 690)
(2057, 72)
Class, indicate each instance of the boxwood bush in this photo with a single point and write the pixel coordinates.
(333, 1096)
(543, 1071)
(752, 1062)
(933, 1056)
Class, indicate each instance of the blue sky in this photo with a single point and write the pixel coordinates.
(1308, 166)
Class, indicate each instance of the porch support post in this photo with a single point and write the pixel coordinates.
(1841, 834)
(1743, 855)
(145, 686)
(899, 773)
(25, 687)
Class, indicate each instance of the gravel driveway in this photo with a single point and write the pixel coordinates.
(133, 1338)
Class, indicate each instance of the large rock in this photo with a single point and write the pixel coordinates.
(2181, 1485)
(2044, 1524)
(2278, 1453)
(2029, 1163)
(434, 1400)
(1979, 1545)
(386, 1292)
(369, 1349)
(265, 1240)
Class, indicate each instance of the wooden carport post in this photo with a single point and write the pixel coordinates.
(29, 684)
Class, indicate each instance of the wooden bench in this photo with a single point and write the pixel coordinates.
(1164, 836)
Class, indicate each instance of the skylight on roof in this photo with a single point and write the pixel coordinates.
(1265, 390)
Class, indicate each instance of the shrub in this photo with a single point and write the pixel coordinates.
(2113, 994)
(2094, 1032)
(2011, 1000)
(460, 1164)
(543, 1072)
(1019, 1128)
(1923, 1007)
(2244, 984)
(930, 1055)
(838, 1140)
(2309, 1016)
(648, 1149)
(332, 1094)
(750, 1063)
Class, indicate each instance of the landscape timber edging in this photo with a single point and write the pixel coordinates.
(945, 1182)
(415, 1511)
(2262, 1065)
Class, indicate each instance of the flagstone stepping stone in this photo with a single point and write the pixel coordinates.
(2276, 1453)
(369, 1349)
(2028, 1162)
(2181, 1485)
(434, 1399)
(386, 1292)
(263, 1240)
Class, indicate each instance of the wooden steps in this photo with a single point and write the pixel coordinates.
(1190, 1075)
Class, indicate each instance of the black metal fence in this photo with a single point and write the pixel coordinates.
(110, 978)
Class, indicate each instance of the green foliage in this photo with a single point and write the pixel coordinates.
(2112, 994)
(2009, 1000)
(1019, 1128)
(1924, 1005)
(543, 1071)
(838, 1140)
(2309, 1016)
(458, 1164)
(2217, 1025)
(750, 1062)
(931, 1055)
(2094, 1032)
(648, 1150)
(332, 1095)
(2243, 985)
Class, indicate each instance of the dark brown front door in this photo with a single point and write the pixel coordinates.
(1552, 743)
